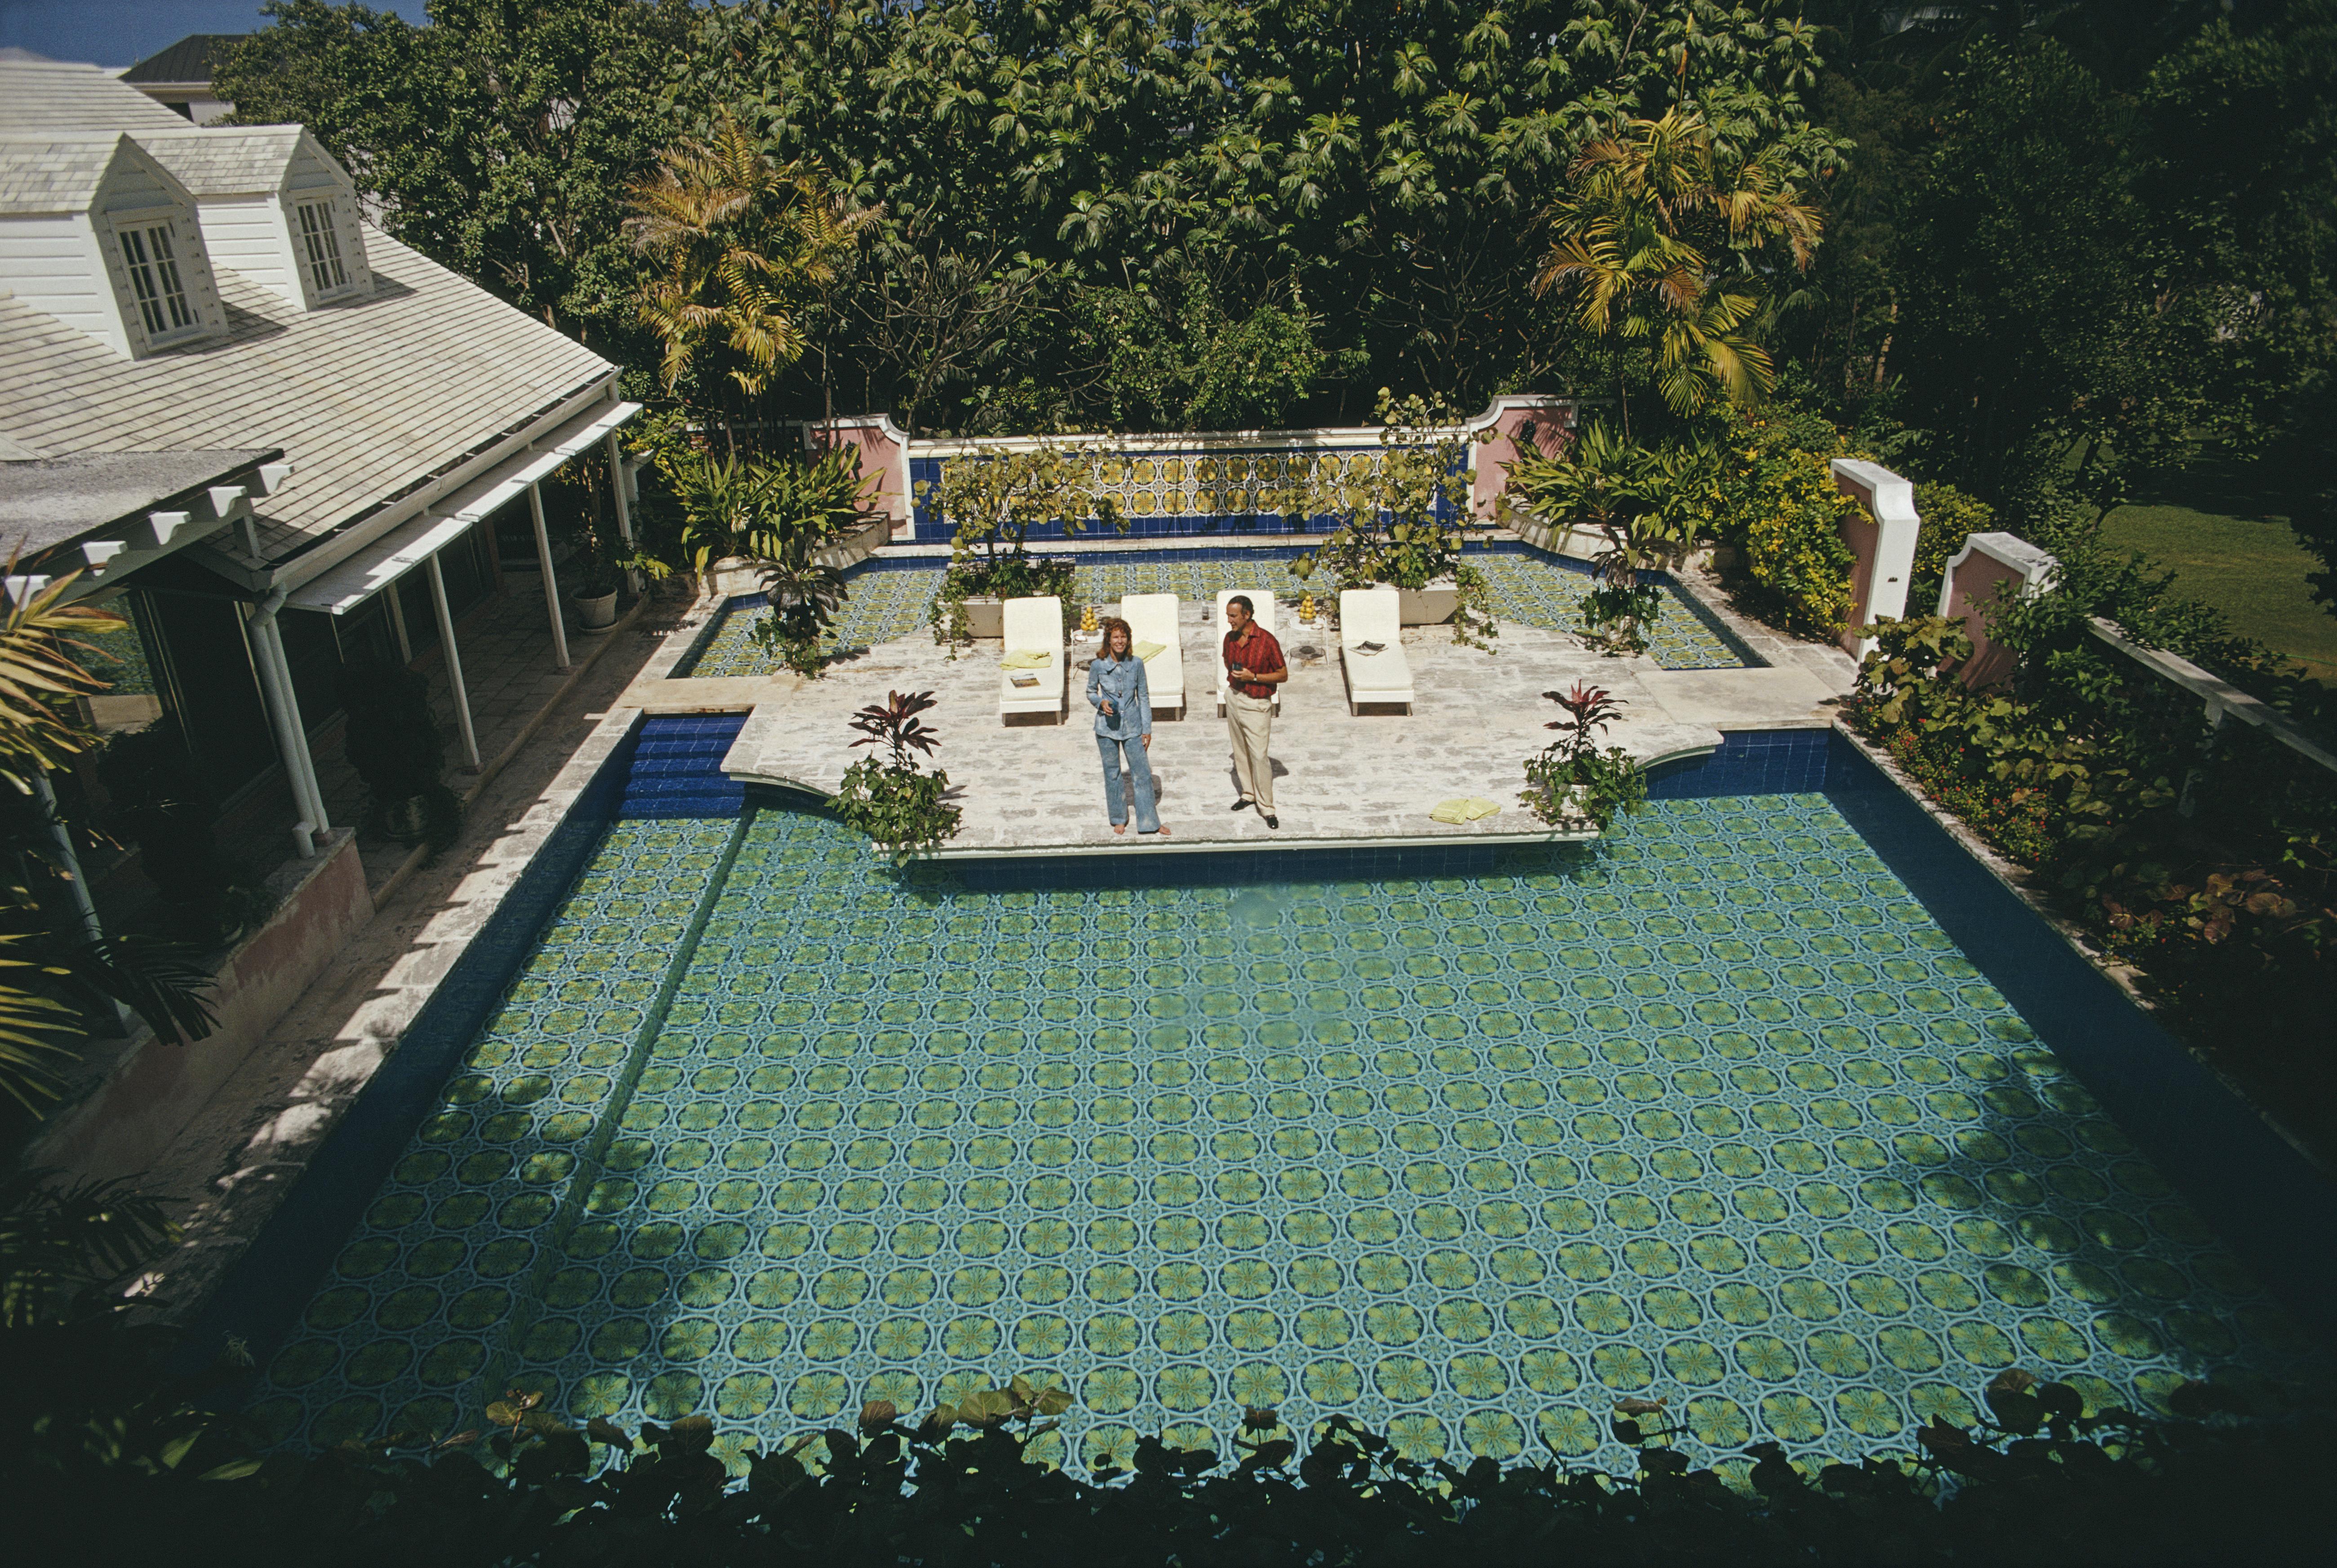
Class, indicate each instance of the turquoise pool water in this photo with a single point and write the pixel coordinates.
(1718, 1114)
(1528, 590)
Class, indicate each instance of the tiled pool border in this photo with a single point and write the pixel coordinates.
(2222, 1157)
(703, 638)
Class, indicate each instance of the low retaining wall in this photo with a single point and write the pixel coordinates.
(141, 1092)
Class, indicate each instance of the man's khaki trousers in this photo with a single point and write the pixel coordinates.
(1249, 725)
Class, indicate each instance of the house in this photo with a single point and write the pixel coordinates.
(268, 436)
(180, 77)
(172, 291)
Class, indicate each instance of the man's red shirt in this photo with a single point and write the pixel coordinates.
(1259, 653)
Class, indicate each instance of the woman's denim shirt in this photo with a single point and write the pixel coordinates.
(1122, 682)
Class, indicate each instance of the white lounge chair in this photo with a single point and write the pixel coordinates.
(1382, 675)
(1152, 618)
(1262, 605)
(1033, 626)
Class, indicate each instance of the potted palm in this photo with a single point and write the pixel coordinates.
(594, 580)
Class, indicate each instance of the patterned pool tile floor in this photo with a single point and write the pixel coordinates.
(1528, 591)
(1721, 1116)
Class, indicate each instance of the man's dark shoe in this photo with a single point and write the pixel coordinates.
(1275, 822)
(1241, 805)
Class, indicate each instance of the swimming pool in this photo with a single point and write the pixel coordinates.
(889, 596)
(1719, 1111)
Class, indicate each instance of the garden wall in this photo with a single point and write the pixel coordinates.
(139, 1093)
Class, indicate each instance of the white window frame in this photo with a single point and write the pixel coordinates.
(166, 309)
(321, 261)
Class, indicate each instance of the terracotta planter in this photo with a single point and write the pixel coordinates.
(595, 612)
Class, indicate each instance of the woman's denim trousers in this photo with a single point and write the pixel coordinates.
(1140, 768)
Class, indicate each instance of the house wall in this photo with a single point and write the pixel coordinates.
(138, 1097)
(137, 193)
(54, 265)
(247, 235)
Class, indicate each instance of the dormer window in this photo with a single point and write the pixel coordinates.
(151, 261)
(321, 242)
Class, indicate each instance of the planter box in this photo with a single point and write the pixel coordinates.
(986, 617)
(1431, 606)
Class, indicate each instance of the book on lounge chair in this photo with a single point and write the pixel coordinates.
(1024, 680)
(1371, 647)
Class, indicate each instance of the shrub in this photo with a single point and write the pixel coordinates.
(1948, 516)
(901, 808)
(395, 744)
(1573, 781)
(1774, 498)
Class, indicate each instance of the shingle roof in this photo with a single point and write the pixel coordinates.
(365, 398)
(49, 501)
(47, 174)
(224, 160)
(193, 58)
(48, 96)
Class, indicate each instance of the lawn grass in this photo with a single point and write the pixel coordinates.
(2251, 568)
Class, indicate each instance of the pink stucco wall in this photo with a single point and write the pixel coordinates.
(1865, 537)
(154, 1088)
(1554, 427)
(884, 462)
(1973, 586)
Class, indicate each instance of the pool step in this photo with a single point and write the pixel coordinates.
(676, 769)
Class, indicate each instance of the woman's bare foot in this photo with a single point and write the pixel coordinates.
(1162, 831)
(1120, 828)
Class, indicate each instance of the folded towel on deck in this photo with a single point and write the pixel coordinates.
(1150, 649)
(1027, 659)
(1473, 809)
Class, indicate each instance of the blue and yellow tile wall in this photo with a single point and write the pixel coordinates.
(1719, 1114)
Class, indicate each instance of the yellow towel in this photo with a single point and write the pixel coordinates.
(1474, 809)
(1027, 659)
(1147, 650)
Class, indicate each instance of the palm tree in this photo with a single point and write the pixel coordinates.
(747, 243)
(1658, 240)
(47, 978)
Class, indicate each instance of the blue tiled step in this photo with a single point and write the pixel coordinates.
(677, 768)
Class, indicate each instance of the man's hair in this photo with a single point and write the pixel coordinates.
(1243, 600)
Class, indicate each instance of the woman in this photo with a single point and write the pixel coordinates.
(1122, 698)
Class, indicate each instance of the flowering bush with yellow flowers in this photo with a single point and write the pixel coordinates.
(1770, 493)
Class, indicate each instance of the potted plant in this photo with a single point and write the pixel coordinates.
(1636, 501)
(1572, 782)
(396, 747)
(158, 802)
(901, 808)
(593, 581)
(1405, 523)
(990, 502)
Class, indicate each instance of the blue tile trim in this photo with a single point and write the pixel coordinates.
(265, 1288)
(1749, 763)
(2267, 1203)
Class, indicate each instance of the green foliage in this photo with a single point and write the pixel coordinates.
(2083, 769)
(1644, 501)
(1771, 493)
(1405, 523)
(1171, 357)
(1948, 516)
(123, 1470)
(990, 502)
(902, 809)
(497, 141)
(62, 1239)
(394, 745)
(1663, 237)
(1572, 782)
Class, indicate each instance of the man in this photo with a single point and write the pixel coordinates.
(1254, 668)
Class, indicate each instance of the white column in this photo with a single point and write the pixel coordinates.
(454, 664)
(551, 582)
(301, 752)
(397, 625)
(289, 741)
(624, 511)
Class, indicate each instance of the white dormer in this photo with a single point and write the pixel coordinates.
(96, 233)
(275, 207)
